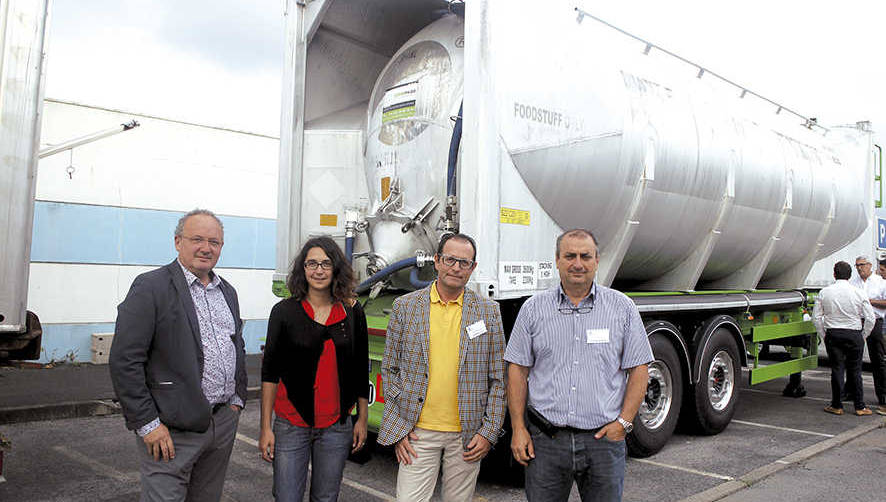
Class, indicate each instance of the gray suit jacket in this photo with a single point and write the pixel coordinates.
(156, 358)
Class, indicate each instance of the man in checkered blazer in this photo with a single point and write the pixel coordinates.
(443, 379)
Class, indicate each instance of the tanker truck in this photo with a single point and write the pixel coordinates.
(514, 121)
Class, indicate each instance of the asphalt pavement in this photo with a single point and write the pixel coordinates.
(31, 391)
(776, 448)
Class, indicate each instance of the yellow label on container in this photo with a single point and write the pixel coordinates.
(385, 188)
(328, 220)
(514, 216)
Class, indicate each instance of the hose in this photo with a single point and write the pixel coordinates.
(454, 144)
(415, 281)
(384, 273)
(349, 249)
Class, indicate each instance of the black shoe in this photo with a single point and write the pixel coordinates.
(798, 391)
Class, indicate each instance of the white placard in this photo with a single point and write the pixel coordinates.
(517, 275)
(545, 270)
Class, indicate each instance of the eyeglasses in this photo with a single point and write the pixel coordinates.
(313, 264)
(450, 261)
(199, 241)
(575, 310)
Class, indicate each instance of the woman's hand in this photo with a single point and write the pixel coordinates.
(359, 434)
(266, 444)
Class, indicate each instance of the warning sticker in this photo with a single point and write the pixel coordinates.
(399, 102)
(517, 275)
(545, 270)
(328, 220)
(514, 216)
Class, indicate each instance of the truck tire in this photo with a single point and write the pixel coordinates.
(32, 349)
(660, 409)
(716, 392)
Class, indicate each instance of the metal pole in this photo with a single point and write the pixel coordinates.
(89, 138)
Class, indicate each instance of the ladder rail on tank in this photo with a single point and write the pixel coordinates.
(808, 122)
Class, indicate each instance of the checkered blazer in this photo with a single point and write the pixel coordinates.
(481, 390)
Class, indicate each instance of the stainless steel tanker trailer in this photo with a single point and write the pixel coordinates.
(512, 121)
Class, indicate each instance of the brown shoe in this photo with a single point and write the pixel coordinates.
(881, 410)
(835, 411)
(864, 411)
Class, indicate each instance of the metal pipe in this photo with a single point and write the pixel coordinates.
(89, 138)
(879, 176)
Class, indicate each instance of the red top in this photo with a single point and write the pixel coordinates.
(326, 396)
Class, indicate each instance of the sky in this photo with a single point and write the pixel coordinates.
(219, 62)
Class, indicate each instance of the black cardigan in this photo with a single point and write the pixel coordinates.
(293, 348)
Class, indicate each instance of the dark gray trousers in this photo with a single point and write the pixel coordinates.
(197, 473)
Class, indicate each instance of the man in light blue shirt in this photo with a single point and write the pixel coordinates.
(578, 357)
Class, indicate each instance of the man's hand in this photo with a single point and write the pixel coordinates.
(521, 446)
(266, 444)
(159, 444)
(613, 431)
(359, 435)
(404, 449)
(477, 449)
(236, 408)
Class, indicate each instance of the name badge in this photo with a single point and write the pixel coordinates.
(598, 336)
(476, 329)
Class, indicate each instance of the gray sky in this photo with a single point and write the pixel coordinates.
(219, 61)
(216, 62)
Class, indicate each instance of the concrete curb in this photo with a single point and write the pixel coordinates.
(723, 490)
(75, 409)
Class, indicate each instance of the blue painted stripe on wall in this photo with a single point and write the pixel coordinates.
(73, 342)
(84, 233)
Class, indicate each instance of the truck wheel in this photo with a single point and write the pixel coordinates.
(716, 391)
(32, 349)
(660, 408)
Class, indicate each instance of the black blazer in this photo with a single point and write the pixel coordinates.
(156, 358)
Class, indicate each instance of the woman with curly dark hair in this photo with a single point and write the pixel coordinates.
(314, 375)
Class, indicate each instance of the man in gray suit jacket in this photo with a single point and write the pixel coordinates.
(177, 365)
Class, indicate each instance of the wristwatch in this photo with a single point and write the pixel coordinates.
(627, 425)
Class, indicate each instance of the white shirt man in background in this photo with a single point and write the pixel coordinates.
(844, 317)
(875, 288)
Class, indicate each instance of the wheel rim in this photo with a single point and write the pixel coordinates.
(656, 405)
(721, 380)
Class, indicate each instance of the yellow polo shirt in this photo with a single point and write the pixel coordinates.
(440, 409)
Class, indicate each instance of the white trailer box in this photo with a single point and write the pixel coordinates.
(23, 26)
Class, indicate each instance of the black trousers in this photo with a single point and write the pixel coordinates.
(877, 353)
(845, 348)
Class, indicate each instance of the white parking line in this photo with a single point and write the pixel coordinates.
(772, 393)
(248, 440)
(97, 466)
(345, 481)
(788, 429)
(684, 469)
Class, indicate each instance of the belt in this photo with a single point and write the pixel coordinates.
(546, 427)
(218, 406)
(576, 430)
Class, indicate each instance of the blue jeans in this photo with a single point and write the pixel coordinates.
(597, 465)
(326, 449)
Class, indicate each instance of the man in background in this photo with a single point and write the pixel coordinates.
(843, 316)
